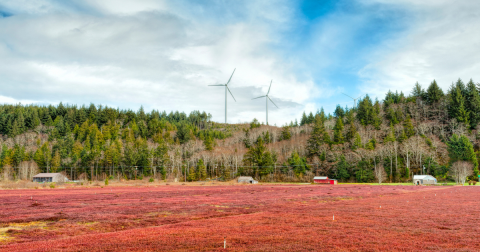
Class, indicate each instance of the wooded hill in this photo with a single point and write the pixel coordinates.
(386, 140)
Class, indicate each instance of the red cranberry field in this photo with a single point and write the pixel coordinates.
(251, 217)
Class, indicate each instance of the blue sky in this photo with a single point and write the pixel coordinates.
(164, 54)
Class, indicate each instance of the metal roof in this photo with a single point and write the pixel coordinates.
(423, 177)
(244, 177)
(47, 175)
(320, 177)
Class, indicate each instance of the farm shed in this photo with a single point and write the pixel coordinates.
(49, 177)
(324, 180)
(424, 180)
(249, 180)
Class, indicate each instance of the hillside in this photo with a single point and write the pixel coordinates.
(375, 141)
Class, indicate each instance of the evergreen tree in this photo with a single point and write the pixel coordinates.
(201, 170)
(461, 149)
(286, 134)
(338, 132)
(208, 143)
(339, 112)
(304, 119)
(352, 131)
(473, 103)
(418, 91)
(357, 143)
(402, 136)
(434, 93)
(192, 176)
(391, 135)
(456, 106)
(316, 139)
(408, 127)
(310, 118)
(342, 169)
(366, 111)
(56, 162)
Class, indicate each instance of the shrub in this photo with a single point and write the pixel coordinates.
(151, 180)
(52, 185)
(474, 182)
(470, 182)
(106, 181)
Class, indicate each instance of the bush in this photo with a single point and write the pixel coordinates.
(474, 182)
(151, 180)
(470, 182)
(106, 181)
(52, 185)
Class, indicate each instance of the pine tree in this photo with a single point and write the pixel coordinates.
(201, 170)
(56, 162)
(357, 143)
(461, 149)
(402, 136)
(456, 106)
(208, 143)
(391, 136)
(304, 119)
(310, 118)
(408, 127)
(286, 134)
(192, 176)
(418, 91)
(316, 139)
(473, 104)
(342, 169)
(352, 131)
(434, 93)
(338, 132)
(339, 112)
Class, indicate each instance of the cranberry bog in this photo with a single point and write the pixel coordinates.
(247, 217)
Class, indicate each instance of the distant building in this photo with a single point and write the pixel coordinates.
(324, 180)
(50, 177)
(248, 180)
(424, 180)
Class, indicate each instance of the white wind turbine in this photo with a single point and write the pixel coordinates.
(354, 100)
(267, 98)
(226, 88)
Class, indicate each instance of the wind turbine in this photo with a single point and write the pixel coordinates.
(267, 98)
(226, 88)
(354, 100)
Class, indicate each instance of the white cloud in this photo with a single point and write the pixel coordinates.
(148, 54)
(441, 43)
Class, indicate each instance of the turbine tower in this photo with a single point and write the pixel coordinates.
(354, 100)
(267, 98)
(226, 88)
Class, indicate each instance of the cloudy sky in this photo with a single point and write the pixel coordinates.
(164, 54)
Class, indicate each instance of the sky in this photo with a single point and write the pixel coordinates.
(162, 54)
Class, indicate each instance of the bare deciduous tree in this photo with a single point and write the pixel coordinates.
(380, 173)
(460, 170)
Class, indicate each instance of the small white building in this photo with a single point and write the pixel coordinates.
(50, 177)
(245, 179)
(424, 180)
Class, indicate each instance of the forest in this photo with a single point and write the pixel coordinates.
(428, 131)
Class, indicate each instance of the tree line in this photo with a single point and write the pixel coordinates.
(425, 132)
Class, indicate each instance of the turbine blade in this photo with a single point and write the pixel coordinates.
(231, 94)
(348, 96)
(231, 77)
(218, 85)
(258, 97)
(359, 97)
(269, 87)
(272, 102)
